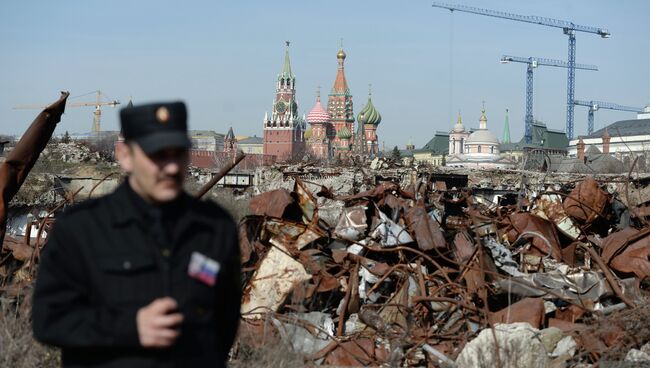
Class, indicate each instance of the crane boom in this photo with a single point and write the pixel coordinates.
(595, 105)
(534, 62)
(543, 21)
(98, 103)
(545, 62)
(569, 29)
(607, 105)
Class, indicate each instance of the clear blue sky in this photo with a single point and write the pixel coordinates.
(222, 58)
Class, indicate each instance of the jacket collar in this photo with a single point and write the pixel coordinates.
(127, 206)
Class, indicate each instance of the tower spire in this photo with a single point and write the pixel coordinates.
(340, 84)
(286, 67)
(506, 129)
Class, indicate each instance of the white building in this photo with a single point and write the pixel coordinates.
(625, 139)
(479, 149)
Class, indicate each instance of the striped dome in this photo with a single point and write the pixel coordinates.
(369, 114)
(318, 114)
(344, 133)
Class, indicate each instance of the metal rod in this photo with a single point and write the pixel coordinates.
(206, 188)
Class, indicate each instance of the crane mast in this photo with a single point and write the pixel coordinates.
(531, 64)
(596, 105)
(569, 29)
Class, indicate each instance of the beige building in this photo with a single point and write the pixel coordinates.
(206, 140)
(252, 144)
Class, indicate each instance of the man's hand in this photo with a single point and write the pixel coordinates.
(158, 323)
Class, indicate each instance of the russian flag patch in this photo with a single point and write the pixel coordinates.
(203, 268)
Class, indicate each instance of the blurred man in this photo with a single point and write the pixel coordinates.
(145, 276)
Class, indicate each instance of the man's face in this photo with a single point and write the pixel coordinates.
(157, 177)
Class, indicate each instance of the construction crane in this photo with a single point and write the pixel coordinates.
(595, 105)
(569, 29)
(101, 100)
(532, 63)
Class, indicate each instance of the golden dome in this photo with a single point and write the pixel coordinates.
(341, 54)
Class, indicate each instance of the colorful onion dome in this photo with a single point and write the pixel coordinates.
(369, 114)
(344, 133)
(318, 114)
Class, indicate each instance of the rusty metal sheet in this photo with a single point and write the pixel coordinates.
(20, 251)
(18, 163)
(586, 202)
(463, 246)
(273, 203)
(614, 243)
(356, 353)
(550, 207)
(542, 232)
(425, 229)
(279, 231)
(634, 259)
(529, 310)
(306, 201)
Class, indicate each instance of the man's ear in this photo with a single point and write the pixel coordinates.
(124, 156)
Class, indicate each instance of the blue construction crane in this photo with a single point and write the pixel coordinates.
(532, 63)
(569, 29)
(595, 105)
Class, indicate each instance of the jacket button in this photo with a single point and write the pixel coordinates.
(126, 265)
(166, 252)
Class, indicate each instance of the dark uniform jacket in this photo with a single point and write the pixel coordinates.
(109, 257)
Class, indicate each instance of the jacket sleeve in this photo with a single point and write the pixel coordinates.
(62, 313)
(230, 290)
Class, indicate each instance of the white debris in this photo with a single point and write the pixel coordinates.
(519, 346)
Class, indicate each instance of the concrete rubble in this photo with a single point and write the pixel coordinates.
(384, 264)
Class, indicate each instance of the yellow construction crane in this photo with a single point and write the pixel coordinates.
(101, 100)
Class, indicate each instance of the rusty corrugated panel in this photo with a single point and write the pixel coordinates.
(272, 203)
(586, 202)
(426, 230)
(22, 158)
(541, 231)
(529, 310)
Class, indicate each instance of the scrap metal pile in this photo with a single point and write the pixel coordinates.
(433, 274)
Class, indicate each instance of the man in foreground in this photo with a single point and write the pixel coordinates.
(146, 276)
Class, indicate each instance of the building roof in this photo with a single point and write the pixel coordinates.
(542, 138)
(251, 140)
(439, 144)
(482, 136)
(624, 128)
(209, 133)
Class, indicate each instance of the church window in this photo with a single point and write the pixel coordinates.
(479, 149)
(491, 149)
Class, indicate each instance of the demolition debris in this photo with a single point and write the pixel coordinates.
(403, 266)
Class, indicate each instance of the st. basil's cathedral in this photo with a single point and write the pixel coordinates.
(331, 132)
